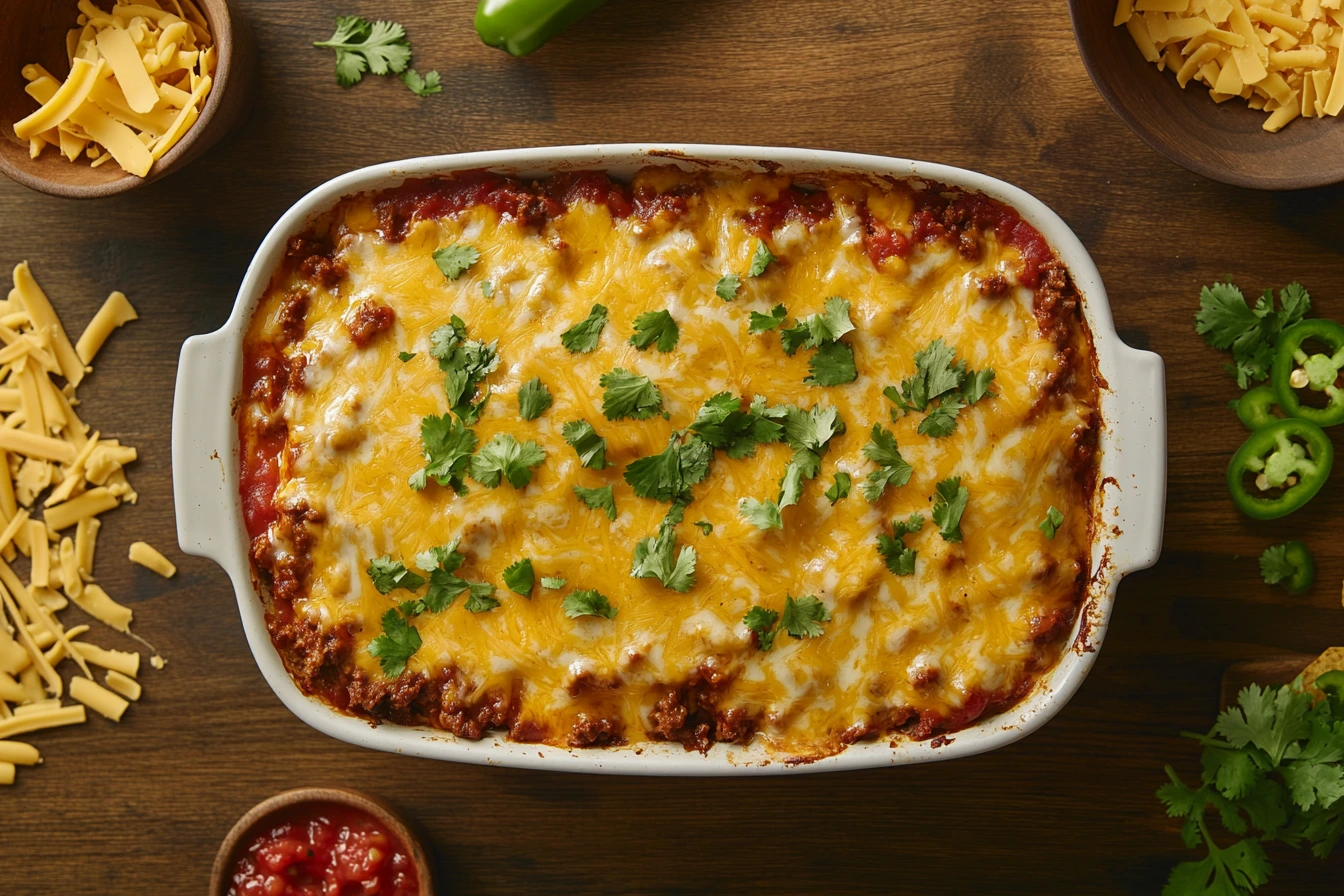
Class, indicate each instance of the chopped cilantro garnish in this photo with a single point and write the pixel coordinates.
(553, 583)
(1053, 520)
(479, 600)
(396, 645)
(487, 289)
(427, 84)
(762, 322)
(949, 504)
(725, 424)
(591, 448)
(455, 259)
(942, 420)
(819, 329)
(705, 526)
(405, 356)
(1226, 321)
(832, 365)
(802, 617)
(727, 287)
(936, 377)
(655, 327)
(891, 467)
(441, 564)
(448, 446)
(629, 395)
(808, 434)
(668, 476)
(505, 455)
(465, 362)
(388, 575)
(900, 558)
(762, 622)
(656, 557)
(519, 578)
(840, 489)
(587, 603)
(363, 46)
(760, 259)
(533, 399)
(761, 514)
(584, 335)
(598, 499)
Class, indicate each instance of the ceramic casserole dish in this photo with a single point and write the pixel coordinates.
(1128, 502)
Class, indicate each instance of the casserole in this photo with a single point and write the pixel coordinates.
(1128, 505)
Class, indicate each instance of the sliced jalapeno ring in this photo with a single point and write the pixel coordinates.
(1255, 409)
(1295, 369)
(1331, 682)
(1299, 558)
(1280, 468)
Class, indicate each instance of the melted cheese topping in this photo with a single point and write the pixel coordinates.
(961, 625)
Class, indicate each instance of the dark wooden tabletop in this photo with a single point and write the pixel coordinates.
(140, 807)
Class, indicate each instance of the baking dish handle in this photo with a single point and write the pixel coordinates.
(204, 479)
(1135, 485)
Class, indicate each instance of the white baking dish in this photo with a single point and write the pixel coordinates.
(1130, 501)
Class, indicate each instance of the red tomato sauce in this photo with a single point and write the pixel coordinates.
(265, 376)
(326, 850)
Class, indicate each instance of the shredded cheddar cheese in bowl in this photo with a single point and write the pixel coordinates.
(1280, 56)
(139, 77)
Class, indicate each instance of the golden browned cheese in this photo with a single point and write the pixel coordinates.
(963, 630)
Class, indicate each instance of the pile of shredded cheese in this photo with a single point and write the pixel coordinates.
(139, 78)
(46, 449)
(1282, 56)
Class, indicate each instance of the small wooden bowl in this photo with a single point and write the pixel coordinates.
(34, 31)
(267, 811)
(1225, 141)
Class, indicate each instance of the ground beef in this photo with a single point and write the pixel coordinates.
(596, 732)
(370, 319)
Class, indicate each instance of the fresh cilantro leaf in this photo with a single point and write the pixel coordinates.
(934, 375)
(591, 448)
(553, 583)
(760, 259)
(448, 446)
(587, 603)
(812, 429)
(360, 45)
(455, 259)
(832, 365)
(794, 337)
(803, 616)
(465, 362)
(949, 503)
(487, 289)
(388, 575)
(533, 399)
(705, 526)
(1053, 520)
(480, 600)
(598, 499)
(446, 557)
(396, 645)
(891, 467)
(1226, 321)
(761, 514)
(426, 85)
(444, 587)
(840, 489)
(1274, 565)
(584, 335)
(668, 476)
(900, 558)
(762, 622)
(505, 455)
(656, 557)
(727, 287)
(655, 327)
(976, 385)
(762, 322)
(942, 420)
(405, 356)
(820, 329)
(629, 395)
(519, 578)
(724, 423)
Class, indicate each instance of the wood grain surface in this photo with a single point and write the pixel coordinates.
(140, 807)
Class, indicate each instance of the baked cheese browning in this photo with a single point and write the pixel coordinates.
(341, 371)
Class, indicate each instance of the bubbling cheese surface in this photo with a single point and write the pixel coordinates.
(963, 632)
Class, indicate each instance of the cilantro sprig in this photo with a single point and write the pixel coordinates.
(899, 557)
(598, 499)
(587, 603)
(937, 378)
(465, 364)
(396, 645)
(669, 475)
(949, 503)
(507, 458)
(1054, 518)
(533, 399)
(454, 260)
(802, 618)
(655, 328)
(833, 363)
(657, 557)
(1273, 770)
(448, 446)
(629, 395)
(892, 470)
(584, 335)
(591, 447)
(362, 46)
(1249, 332)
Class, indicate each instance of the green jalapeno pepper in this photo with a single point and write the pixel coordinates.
(1280, 468)
(521, 26)
(1255, 408)
(1299, 558)
(1331, 683)
(1294, 369)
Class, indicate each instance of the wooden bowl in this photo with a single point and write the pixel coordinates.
(268, 810)
(34, 31)
(1225, 141)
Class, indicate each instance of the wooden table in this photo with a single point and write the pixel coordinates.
(139, 808)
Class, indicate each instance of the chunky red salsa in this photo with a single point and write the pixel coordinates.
(325, 850)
